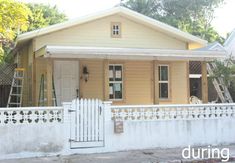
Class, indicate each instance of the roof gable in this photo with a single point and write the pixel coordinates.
(215, 46)
(164, 28)
(229, 44)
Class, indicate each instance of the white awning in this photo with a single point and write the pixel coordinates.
(127, 53)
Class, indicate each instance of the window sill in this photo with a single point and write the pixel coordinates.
(165, 100)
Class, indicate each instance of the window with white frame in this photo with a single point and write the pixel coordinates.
(116, 29)
(163, 72)
(115, 82)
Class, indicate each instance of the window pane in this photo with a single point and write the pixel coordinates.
(111, 75)
(163, 90)
(111, 91)
(164, 73)
(118, 73)
(118, 90)
(115, 29)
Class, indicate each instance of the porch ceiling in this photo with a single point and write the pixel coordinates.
(127, 53)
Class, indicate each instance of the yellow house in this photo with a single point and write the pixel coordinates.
(118, 55)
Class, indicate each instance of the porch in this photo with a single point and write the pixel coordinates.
(84, 72)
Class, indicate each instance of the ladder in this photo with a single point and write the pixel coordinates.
(219, 85)
(16, 92)
(43, 92)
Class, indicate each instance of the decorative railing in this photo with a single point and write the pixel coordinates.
(32, 115)
(172, 112)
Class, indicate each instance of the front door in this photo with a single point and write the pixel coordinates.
(66, 75)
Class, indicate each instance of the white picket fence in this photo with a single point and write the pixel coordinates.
(87, 123)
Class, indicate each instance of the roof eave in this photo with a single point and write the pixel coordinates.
(131, 53)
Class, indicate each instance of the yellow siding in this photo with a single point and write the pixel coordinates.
(93, 88)
(138, 82)
(97, 33)
(178, 83)
(194, 46)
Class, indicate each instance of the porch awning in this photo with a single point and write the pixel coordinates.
(127, 53)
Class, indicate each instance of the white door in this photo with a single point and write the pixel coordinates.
(66, 75)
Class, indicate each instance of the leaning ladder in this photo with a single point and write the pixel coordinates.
(43, 92)
(219, 85)
(16, 92)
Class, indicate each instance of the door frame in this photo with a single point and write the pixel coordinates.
(77, 77)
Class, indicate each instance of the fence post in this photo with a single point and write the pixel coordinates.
(66, 106)
(107, 110)
(107, 123)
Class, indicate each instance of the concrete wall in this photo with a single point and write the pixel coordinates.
(169, 134)
(45, 139)
(18, 141)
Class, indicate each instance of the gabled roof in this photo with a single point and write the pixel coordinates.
(215, 46)
(230, 38)
(157, 25)
(229, 44)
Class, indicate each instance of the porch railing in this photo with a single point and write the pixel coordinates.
(172, 112)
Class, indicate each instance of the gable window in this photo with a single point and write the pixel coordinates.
(163, 72)
(115, 82)
(115, 29)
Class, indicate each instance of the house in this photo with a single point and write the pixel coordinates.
(117, 54)
(229, 44)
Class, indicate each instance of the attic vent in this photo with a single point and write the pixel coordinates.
(116, 29)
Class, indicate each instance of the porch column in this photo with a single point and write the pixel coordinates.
(155, 81)
(34, 63)
(106, 80)
(49, 82)
(204, 82)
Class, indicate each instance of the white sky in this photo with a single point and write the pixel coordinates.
(224, 21)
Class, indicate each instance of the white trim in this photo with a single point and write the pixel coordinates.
(166, 82)
(157, 25)
(196, 76)
(229, 39)
(130, 53)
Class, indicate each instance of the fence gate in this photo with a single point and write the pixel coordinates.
(87, 123)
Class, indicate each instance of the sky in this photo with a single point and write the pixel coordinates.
(224, 21)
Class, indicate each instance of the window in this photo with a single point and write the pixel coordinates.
(115, 82)
(116, 29)
(163, 72)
